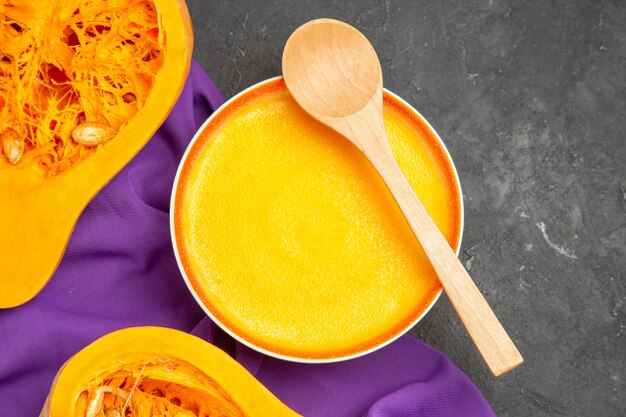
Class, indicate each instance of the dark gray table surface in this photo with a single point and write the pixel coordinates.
(530, 98)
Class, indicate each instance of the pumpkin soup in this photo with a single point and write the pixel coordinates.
(289, 237)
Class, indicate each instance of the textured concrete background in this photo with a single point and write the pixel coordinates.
(530, 98)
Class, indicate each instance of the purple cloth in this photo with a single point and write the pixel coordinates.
(119, 270)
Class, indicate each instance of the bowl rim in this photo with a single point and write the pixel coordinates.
(248, 343)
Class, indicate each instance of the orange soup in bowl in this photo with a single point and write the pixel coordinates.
(289, 239)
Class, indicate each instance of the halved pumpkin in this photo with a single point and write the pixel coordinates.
(155, 371)
(84, 84)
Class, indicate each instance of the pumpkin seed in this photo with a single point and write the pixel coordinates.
(93, 133)
(113, 412)
(95, 405)
(12, 146)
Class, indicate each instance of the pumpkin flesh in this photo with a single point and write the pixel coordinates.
(64, 64)
(157, 386)
(45, 190)
(154, 371)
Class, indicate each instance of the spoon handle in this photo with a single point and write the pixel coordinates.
(494, 344)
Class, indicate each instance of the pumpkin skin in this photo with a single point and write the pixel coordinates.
(230, 385)
(38, 212)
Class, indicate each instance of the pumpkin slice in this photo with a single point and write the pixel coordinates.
(155, 371)
(83, 85)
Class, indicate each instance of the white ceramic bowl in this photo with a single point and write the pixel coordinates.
(225, 327)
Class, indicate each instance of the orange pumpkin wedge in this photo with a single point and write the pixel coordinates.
(84, 84)
(150, 371)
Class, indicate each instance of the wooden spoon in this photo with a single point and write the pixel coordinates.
(333, 72)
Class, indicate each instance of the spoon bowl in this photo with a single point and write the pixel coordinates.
(360, 79)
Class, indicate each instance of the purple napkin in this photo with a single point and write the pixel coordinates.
(119, 270)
